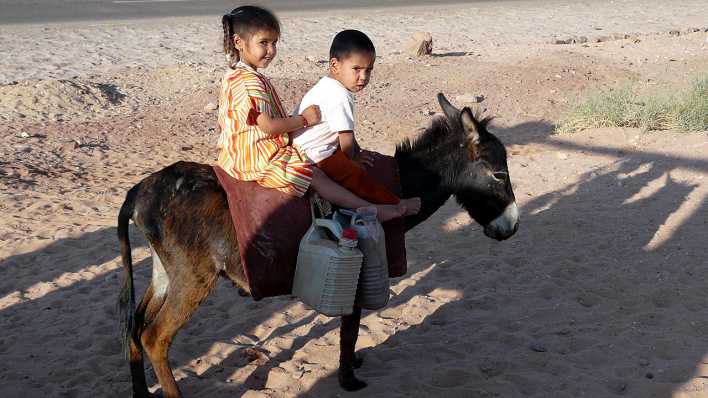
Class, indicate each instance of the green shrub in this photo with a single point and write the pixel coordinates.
(685, 110)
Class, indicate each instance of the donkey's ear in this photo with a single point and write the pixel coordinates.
(450, 111)
(470, 124)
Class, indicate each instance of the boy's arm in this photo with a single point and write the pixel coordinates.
(348, 144)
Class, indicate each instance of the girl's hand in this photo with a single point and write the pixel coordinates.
(312, 115)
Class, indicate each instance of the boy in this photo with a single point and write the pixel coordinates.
(331, 144)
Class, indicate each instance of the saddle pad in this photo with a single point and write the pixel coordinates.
(270, 224)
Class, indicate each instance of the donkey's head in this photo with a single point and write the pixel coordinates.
(481, 182)
(457, 156)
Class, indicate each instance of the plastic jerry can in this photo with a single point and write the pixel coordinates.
(374, 285)
(327, 269)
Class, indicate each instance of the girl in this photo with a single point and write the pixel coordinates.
(254, 142)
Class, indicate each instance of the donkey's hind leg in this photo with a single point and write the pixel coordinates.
(182, 298)
(135, 353)
(145, 313)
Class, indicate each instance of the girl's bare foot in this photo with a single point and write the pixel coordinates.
(411, 206)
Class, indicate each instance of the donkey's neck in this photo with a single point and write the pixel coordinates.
(428, 180)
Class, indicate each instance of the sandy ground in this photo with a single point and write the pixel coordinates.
(601, 293)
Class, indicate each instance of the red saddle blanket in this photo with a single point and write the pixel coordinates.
(270, 224)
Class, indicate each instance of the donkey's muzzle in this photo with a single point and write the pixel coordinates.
(504, 226)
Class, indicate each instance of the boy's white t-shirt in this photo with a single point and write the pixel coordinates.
(336, 104)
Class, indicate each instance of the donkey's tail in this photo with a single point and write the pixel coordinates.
(126, 300)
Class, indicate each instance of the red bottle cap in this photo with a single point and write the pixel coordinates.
(350, 233)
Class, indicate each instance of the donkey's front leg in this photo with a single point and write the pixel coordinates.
(348, 334)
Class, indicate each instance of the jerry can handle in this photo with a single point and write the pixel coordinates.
(331, 225)
(353, 216)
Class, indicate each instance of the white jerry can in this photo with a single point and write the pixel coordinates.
(328, 265)
(374, 285)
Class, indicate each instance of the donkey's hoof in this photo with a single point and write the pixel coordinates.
(358, 361)
(351, 383)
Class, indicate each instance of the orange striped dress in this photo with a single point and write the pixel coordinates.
(246, 152)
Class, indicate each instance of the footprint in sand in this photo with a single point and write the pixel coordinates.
(279, 379)
(666, 350)
(108, 348)
(595, 357)
(663, 298)
(492, 368)
(588, 299)
(448, 378)
(618, 386)
(526, 386)
(484, 303)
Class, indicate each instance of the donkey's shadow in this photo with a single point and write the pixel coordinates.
(551, 325)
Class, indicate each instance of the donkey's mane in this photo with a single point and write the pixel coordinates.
(437, 134)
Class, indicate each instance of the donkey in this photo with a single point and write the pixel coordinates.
(183, 213)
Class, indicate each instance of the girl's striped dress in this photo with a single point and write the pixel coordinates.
(246, 152)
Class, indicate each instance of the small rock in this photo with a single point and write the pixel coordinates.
(210, 107)
(675, 32)
(211, 130)
(619, 36)
(469, 98)
(420, 45)
(254, 355)
(571, 40)
(24, 134)
(70, 146)
(561, 155)
(643, 362)
(587, 300)
(692, 30)
(23, 148)
(537, 346)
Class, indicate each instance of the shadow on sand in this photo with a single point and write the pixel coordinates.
(546, 325)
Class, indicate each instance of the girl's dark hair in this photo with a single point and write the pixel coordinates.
(350, 41)
(245, 21)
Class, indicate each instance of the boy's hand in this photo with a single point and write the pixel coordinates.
(312, 115)
(366, 158)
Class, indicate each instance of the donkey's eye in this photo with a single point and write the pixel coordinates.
(500, 175)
